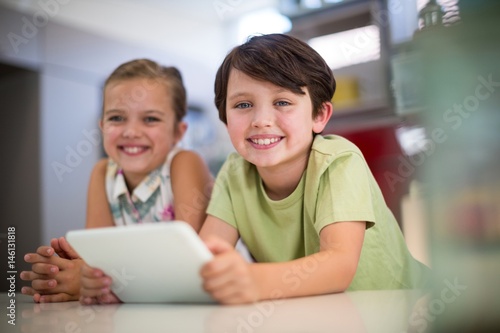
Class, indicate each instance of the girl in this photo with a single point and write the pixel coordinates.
(146, 177)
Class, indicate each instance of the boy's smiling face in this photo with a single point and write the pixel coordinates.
(270, 126)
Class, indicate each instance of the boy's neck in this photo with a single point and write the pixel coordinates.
(279, 184)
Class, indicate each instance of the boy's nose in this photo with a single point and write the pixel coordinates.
(262, 117)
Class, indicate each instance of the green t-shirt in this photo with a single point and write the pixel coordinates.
(336, 186)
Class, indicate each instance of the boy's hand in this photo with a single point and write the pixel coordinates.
(53, 279)
(228, 278)
(96, 287)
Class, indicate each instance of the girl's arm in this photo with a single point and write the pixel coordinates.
(191, 187)
(98, 211)
(231, 280)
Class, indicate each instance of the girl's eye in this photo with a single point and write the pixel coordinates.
(282, 103)
(115, 118)
(243, 105)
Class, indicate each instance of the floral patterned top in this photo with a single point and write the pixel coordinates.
(151, 201)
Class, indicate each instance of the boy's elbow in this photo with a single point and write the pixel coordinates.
(347, 276)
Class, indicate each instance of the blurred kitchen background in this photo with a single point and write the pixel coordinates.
(417, 92)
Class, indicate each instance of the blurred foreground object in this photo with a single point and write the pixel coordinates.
(461, 103)
(431, 15)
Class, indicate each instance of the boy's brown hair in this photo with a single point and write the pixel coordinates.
(148, 69)
(282, 60)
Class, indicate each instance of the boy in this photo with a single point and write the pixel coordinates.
(306, 206)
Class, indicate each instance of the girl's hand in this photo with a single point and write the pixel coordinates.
(63, 249)
(96, 287)
(228, 278)
(53, 279)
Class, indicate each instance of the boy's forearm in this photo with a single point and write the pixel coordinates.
(321, 273)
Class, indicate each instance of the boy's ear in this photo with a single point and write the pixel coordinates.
(322, 117)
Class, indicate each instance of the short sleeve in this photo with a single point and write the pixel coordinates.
(345, 192)
(221, 205)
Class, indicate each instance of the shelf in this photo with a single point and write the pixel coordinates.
(349, 110)
(361, 116)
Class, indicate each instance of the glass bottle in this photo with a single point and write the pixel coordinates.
(430, 16)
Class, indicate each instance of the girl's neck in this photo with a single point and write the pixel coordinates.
(133, 180)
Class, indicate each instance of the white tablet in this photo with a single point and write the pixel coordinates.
(149, 263)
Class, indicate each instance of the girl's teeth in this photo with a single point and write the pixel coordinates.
(132, 150)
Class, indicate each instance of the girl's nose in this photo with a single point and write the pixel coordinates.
(132, 130)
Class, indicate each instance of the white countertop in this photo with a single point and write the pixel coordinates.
(361, 311)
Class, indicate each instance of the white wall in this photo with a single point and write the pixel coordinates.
(75, 44)
(73, 63)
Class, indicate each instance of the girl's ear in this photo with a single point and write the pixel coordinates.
(180, 130)
(322, 117)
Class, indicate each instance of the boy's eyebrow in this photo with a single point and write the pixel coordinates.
(237, 95)
(244, 94)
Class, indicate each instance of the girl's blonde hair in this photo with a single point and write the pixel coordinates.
(145, 68)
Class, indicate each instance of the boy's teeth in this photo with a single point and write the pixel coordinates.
(265, 142)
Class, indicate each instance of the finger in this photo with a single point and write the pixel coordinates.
(228, 295)
(85, 300)
(223, 289)
(221, 264)
(217, 282)
(93, 281)
(218, 246)
(63, 263)
(33, 258)
(28, 275)
(45, 251)
(44, 285)
(235, 292)
(108, 298)
(59, 297)
(54, 243)
(31, 292)
(60, 263)
(28, 291)
(45, 269)
(68, 249)
(94, 292)
(101, 283)
(218, 272)
(91, 272)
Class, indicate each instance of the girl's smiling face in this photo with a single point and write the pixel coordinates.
(270, 126)
(139, 126)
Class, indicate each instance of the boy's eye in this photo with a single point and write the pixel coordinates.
(282, 103)
(243, 105)
(151, 119)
